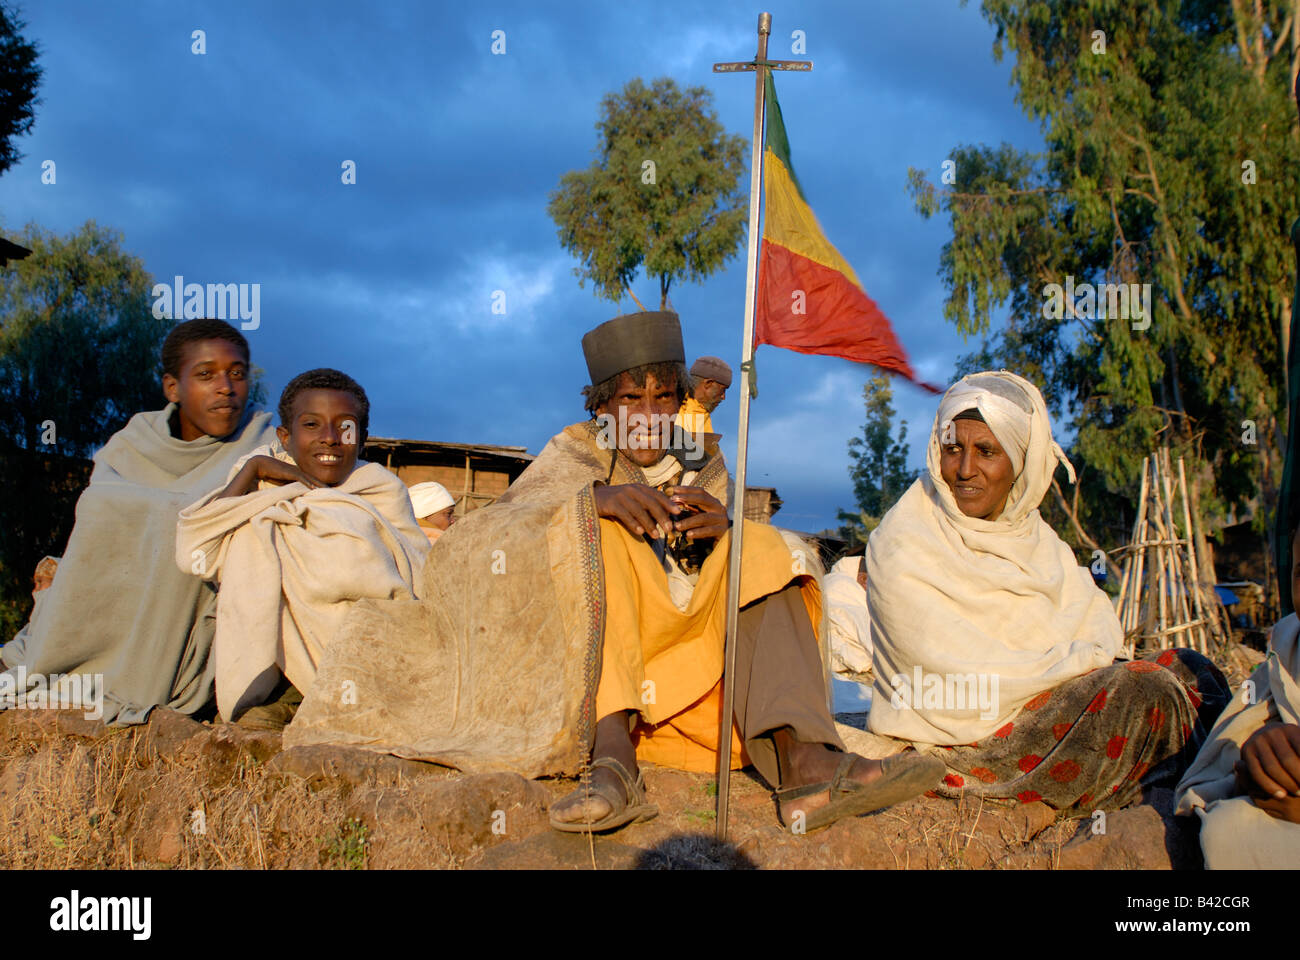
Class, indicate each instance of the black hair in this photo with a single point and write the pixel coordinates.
(192, 331)
(324, 378)
(600, 394)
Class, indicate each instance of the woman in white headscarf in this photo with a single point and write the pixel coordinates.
(993, 643)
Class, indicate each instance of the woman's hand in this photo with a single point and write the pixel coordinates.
(265, 468)
(1269, 770)
(705, 518)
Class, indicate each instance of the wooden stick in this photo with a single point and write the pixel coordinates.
(1139, 534)
(1181, 611)
(1162, 584)
(1196, 579)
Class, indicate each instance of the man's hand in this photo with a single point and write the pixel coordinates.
(1269, 770)
(705, 518)
(265, 468)
(640, 508)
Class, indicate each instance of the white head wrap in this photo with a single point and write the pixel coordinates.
(430, 497)
(1014, 410)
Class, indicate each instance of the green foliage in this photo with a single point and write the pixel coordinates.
(79, 350)
(346, 850)
(684, 225)
(1142, 181)
(19, 79)
(878, 464)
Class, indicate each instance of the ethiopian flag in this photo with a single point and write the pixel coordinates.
(809, 298)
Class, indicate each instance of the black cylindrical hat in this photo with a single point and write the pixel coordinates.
(633, 340)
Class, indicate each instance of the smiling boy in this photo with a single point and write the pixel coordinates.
(119, 609)
(300, 531)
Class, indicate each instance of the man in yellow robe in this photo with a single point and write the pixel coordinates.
(579, 623)
(709, 381)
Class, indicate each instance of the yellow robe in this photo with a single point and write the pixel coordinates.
(694, 417)
(672, 676)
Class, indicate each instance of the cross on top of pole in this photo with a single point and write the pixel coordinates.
(764, 29)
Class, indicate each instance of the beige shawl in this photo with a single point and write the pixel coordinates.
(291, 563)
(957, 600)
(1270, 695)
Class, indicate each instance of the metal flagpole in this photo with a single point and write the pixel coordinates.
(760, 65)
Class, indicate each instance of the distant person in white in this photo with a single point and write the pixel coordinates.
(845, 588)
(434, 508)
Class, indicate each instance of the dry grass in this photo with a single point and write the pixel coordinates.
(99, 803)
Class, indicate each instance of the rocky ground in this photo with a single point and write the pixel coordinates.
(178, 793)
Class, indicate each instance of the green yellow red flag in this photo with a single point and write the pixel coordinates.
(809, 298)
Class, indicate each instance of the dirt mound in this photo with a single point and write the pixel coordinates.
(177, 793)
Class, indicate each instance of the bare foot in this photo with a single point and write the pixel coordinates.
(816, 769)
(582, 806)
(585, 805)
(809, 764)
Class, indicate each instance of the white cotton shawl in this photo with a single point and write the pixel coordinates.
(1273, 695)
(292, 562)
(968, 603)
(850, 622)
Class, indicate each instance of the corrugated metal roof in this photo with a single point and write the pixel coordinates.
(432, 446)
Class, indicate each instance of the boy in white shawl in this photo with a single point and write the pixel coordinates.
(300, 532)
(1245, 782)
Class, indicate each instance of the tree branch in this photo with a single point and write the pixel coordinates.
(1078, 529)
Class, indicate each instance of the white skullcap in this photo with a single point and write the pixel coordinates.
(429, 497)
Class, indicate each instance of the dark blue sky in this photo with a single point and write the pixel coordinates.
(225, 168)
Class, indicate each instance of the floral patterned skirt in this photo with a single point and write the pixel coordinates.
(1097, 741)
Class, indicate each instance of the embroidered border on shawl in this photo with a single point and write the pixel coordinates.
(593, 584)
(707, 475)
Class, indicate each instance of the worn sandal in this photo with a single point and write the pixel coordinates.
(626, 806)
(903, 776)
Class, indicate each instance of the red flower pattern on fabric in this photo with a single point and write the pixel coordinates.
(1039, 700)
(1004, 731)
(1059, 730)
(1143, 666)
(1029, 796)
(1098, 702)
(1065, 771)
(1115, 746)
(984, 773)
(954, 780)
(1028, 762)
(1166, 659)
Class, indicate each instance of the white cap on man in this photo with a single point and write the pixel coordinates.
(430, 497)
